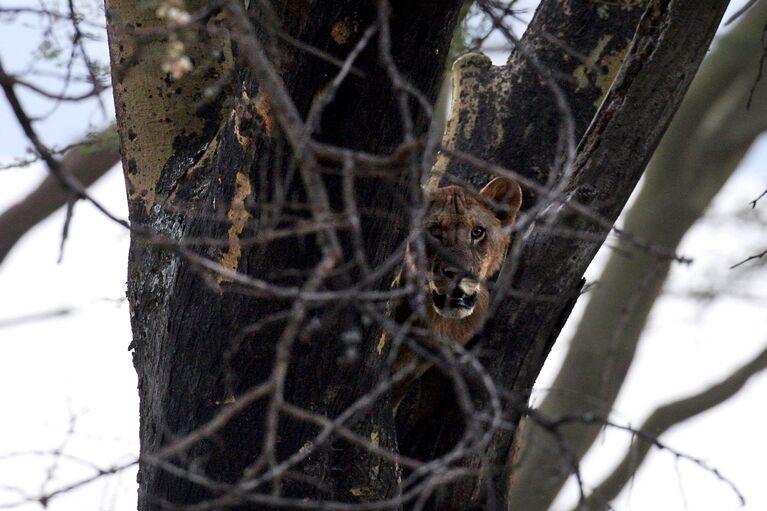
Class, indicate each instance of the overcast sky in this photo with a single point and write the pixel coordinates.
(77, 365)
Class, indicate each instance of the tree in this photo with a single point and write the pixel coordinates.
(711, 144)
(59, 74)
(85, 163)
(259, 233)
(177, 176)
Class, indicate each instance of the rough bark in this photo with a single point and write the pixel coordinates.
(510, 115)
(704, 144)
(85, 164)
(160, 131)
(523, 119)
(192, 174)
(193, 178)
(610, 160)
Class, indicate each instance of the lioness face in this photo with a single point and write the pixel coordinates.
(468, 237)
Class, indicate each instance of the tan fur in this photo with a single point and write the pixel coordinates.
(459, 261)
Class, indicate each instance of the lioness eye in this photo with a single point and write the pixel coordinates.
(478, 233)
(436, 231)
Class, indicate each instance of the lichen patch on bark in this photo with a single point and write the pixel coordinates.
(581, 73)
(381, 344)
(610, 63)
(153, 109)
(342, 31)
(264, 110)
(375, 441)
(238, 215)
(601, 67)
(464, 108)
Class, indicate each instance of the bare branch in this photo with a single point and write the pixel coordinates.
(665, 418)
(749, 258)
(616, 314)
(85, 164)
(755, 201)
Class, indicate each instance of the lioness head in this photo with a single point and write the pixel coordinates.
(468, 238)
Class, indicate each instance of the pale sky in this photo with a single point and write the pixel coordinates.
(77, 365)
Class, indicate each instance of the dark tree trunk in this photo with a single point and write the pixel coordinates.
(191, 352)
(205, 176)
(519, 99)
(545, 277)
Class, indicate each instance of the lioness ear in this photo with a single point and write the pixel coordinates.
(507, 194)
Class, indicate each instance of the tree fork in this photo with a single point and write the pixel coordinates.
(509, 115)
(648, 89)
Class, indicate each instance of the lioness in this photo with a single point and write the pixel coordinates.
(468, 235)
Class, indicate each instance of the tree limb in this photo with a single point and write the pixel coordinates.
(611, 158)
(664, 418)
(520, 120)
(85, 164)
(198, 346)
(680, 187)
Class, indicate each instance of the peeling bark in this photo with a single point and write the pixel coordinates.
(163, 122)
(519, 128)
(195, 177)
(190, 183)
(610, 160)
(573, 48)
(702, 148)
